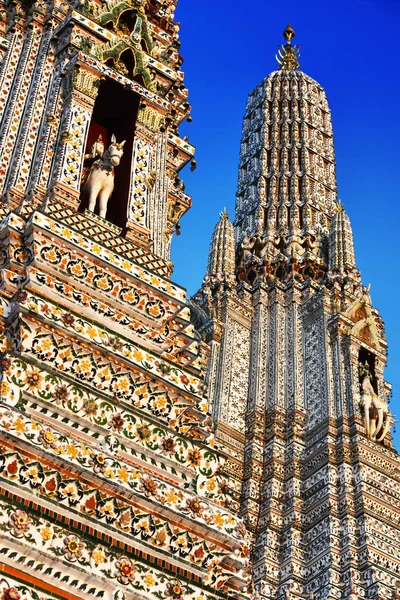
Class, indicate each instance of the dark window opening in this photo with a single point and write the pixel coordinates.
(128, 59)
(127, 21)
(366, 361)
(143, 44)
(140, 79)
(299, 187)
(251, 276)
(115, 112)
(301, 219)
(299, 158)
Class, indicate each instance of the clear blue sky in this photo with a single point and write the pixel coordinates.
(351, 49)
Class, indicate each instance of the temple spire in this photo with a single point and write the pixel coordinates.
(341, 244)
(221, 259)
(288, 55)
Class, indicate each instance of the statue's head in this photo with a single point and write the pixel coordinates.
(115, 151)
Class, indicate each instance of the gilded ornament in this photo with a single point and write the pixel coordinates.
(288, 55)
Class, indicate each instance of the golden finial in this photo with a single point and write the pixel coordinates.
(339, 207)
(288, 55)
(224, 215)
(289, 33)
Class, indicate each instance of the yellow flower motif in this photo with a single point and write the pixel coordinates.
(149, 580)
(46, 534)
(66, 233)
(136, 474)
(85, 365)
(19, 425)
(109, 473)
(35, 425)
(72, 450)
(47, 344)
(96, 249)
(172, 498)
(91, 332)
(161, 402)
(86, 450)
(211, 485)
(98, 556)
(218, 519)
(138, 355)
(5, 388)
(123, 474)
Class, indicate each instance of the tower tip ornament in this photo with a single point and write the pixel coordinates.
(224, 215)
(288, 55)
(339, 207)
(289, 33)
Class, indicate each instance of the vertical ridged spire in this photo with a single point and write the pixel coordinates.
(341, 244)
(221, 257)
(287, 179)
(287, 174)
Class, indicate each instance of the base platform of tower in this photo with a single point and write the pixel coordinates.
(233, 446)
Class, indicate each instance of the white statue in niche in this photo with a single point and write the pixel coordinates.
(100, 183)
(377, 416)
(97, 149)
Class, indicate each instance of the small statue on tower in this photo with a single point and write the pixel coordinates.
(97, 149)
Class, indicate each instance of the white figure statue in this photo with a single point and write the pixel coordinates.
(377, 417)
(97, 149)
(100, 183)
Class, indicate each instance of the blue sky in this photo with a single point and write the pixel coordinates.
(351, 49)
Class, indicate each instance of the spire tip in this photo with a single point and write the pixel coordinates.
(288, 55)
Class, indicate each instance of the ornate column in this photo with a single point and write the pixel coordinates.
(23, 153)
(255, 413)
(143, 178)
(79, 90)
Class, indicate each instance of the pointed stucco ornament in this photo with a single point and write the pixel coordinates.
(341, 243)
(288, 55)
(221, 258)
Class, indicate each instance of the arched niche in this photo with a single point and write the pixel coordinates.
(366, 361)
(115, 112)
(127, 21)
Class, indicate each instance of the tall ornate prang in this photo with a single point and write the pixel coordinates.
(110, 485)
(295, 371)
